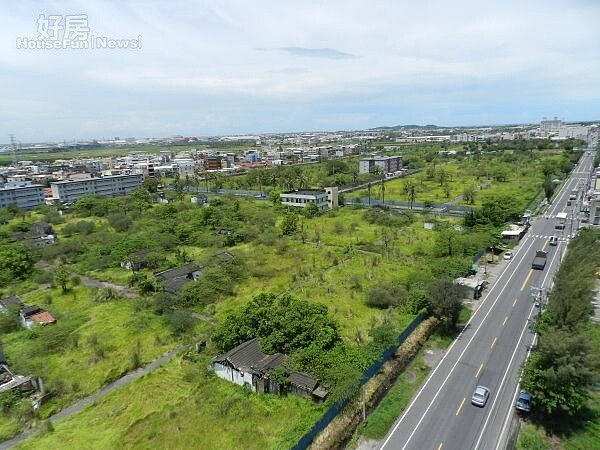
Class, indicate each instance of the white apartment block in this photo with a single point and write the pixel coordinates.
(324, 199)
(69, 191)
(387, 164)
(185, 167)
(23, 195)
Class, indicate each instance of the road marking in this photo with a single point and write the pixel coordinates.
(479, 370)
(502, 381)
(440, 446)
(514, 303)
(461, 405)
(526, 279)
(448, 352)
(510, 363)
(504, 322)
(494, 342)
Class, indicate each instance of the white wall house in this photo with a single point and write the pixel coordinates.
(324, 199)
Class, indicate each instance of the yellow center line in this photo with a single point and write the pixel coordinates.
(526, 279)
(479, 370)
(515, 302)
(504, 322)
(440, 446)
(460, 407)
(494, 342)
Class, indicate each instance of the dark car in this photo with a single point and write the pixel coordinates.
(523, 402)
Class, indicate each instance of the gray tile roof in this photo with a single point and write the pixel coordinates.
(303, 380)
(248, 357)
(11, 301)
(182, 271)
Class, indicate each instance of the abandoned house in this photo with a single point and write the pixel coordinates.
(247, 365)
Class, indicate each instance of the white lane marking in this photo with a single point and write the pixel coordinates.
(448, 352)
(547, 274)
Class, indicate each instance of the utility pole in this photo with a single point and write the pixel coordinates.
(537, 295)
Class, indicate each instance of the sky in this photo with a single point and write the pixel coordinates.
(206, 68)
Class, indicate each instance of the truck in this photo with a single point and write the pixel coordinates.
(561, 220)
(539, 261)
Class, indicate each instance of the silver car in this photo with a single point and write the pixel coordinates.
(480, 396)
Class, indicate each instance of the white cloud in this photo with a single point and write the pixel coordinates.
(343, 61)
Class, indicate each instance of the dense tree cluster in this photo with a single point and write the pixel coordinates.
(566, 362)
(16, 261)
(281, 323)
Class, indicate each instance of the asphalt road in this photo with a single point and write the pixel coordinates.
(491, 348)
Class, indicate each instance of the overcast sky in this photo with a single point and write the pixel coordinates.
(237, 67)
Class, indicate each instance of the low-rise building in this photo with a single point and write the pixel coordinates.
(246, 365)
(69, 191)
(24, 195)
(324, 199)
(33, 314)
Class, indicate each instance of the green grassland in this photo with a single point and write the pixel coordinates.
(519, 176)
(91, 344)
(334, 259)
(182, 405)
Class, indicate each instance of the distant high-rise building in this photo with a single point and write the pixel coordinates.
(551, 125)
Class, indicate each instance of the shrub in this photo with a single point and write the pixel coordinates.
(379, 297)
(179, 321)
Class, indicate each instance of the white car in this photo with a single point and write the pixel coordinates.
(480, 396)
(508, 255)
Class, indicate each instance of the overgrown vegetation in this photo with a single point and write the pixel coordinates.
(563, 368)
(347, 282)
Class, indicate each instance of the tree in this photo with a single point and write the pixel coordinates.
(384, 335)
(311, 210)
(379, 297)
(469, 194)
(9, 320)
(120, 222)
(560, 370)
(410, 191)
(274, 196)
(179, 321)
(548, 187)
(61, 278)
(16, 261)
(445, 302)
(281, 323)
(289, 224)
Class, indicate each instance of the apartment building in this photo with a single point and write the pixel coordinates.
(22, 194)
(69, 191)
(324, 199)
(386, 164)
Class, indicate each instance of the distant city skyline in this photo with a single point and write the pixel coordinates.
(232, 67)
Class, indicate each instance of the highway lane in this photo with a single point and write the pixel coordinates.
(489, 351)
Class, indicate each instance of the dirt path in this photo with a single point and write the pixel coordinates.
(78, 406)
(90, 282)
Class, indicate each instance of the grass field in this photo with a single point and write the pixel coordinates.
(90, 345)
(182, 405)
